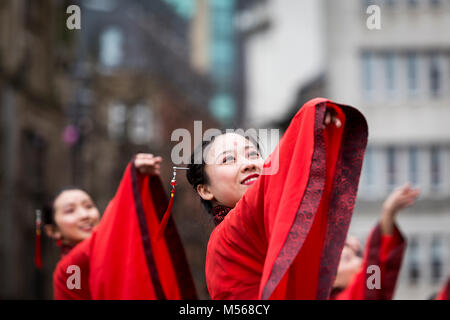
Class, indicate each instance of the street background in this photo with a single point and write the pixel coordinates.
(76, 105)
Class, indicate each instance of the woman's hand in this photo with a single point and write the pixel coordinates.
(399, 199)
(148, 164)
(332, 117)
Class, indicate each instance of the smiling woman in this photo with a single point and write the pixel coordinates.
(279, 233)
(230, 165)
(125, 239)
(70, 217)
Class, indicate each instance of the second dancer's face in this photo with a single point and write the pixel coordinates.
(75, 216)
(233, 165)
(350, 262)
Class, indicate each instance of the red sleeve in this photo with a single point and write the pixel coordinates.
(385, 251)
(284, 237)
(64, 276)
(127, 261)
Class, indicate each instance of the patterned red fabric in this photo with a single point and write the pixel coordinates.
(219, 212)
(283, 239)
(122, 259)
(385, 251)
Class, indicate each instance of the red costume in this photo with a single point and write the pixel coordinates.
(123, 259)
(283, 239)
(384, 251)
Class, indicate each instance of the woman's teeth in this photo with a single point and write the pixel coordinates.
(251, 180)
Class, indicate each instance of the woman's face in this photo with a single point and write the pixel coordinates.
(233, 164)
(75, 215)
(350, 262)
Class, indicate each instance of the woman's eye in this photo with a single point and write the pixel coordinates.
(228, 159)
(68, 211)
(253, 154)
(89, 206)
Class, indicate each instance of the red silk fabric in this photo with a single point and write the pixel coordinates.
(122, 259)
(283, 239)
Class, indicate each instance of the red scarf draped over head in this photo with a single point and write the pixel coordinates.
(123, 259)
(284, 237)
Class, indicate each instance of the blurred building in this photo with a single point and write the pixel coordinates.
(218, 48)
(77, 104)
(34, 161)
(399, 77)
(284, 50)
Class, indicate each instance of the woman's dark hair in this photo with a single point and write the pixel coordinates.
(48, 209)
(196, 174)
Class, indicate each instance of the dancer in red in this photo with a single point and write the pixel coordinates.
(384, 249)
(70, 218)
(123, 259)
(280, 235)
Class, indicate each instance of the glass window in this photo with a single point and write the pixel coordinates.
(140, 129)
(367, 3)
(184, 8)
(413, 165)
(390, 72)
(367, 71)
(413, 263)
(436, 167)
(436, 259)
(223, 106)
(435, 76)
(412, 73)
(117, 117)
(390, 3)
(111, 47)
(435, 3)
(369, 167)
(391, 168)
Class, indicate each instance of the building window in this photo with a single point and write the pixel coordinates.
(140, 126)
(391, 168)
(390, 3)
(435, 3)
(436, 259)
(369, 167)
(436, 167)
(367, 72)
(412, 73)
(390, 72)
(413, 165)
(117, 118)
(366, 4)
(111, 47)
(223, 107)
(435, 76)
(184, 8)
(414, 271)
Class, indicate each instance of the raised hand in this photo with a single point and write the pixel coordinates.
(148, 164)
(331, 117)
(399, 199)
